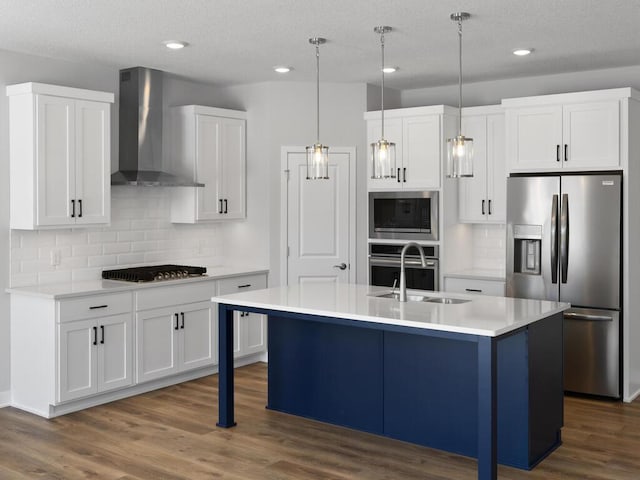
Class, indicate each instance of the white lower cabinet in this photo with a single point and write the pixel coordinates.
(94, 356)
(250, 329)
(473, 285)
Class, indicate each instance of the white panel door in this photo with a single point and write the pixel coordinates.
(208, 164)
(592, 134)
(93, 162)
(232, 175)
(196, 328)
(157, 343)
(115, 350)
(534, 138)
(421, 152)
(77, 360)
(392, 133)
(56, 160)
(318, 223)
(472, 198)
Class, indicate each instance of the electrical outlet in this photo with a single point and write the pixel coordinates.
(55, 257)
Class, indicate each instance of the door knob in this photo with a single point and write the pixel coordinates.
(342, 266)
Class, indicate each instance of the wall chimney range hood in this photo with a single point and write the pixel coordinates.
(141, 115)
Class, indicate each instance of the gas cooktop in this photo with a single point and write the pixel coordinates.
(154, 273)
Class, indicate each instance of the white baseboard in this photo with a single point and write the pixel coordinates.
(634, 392)
(5, 398)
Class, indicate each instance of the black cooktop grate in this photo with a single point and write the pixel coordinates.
(152, 273)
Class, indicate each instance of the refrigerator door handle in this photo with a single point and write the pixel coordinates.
(564, 237)
(584, 316)
(554, 239)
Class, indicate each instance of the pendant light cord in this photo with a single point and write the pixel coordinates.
(460, 78)
(382, 91)
(317, 94)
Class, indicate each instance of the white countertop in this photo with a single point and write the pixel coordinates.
(483, 315)
(479, 274)
(96, 287)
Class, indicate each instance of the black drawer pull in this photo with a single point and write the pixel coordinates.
(477, 290)
(73, 208)
(398, 176)
(226, 209)
(102, 334)
(95, 335)
(80, 205)
(566, 152)
(489, 207)
(246, 285)
(182, 315)
(94, 307)
(404, 174)
(220, 209)
(176, 327)
(557, 153)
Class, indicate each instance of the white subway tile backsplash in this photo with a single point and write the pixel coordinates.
(140, 233)
(489, 247)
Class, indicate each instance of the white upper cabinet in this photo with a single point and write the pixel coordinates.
(576, 131)
(60, 156)
(209, 146)
(419, 137)
(482, 198)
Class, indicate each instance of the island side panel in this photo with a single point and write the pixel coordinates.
(331, 373)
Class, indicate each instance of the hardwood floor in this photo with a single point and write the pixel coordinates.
(171, 434)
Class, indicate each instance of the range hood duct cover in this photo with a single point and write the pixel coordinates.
(141, 116)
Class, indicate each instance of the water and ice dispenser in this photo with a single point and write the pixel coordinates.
(527, 249)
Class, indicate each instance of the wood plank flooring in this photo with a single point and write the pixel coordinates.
(171, 434)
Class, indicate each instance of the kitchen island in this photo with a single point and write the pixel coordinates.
(482, 378)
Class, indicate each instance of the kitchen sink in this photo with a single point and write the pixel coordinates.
(447, 301)
(396, 296)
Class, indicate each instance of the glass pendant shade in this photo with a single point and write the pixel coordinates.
(383, 159)
(460, 157)
(317, 162)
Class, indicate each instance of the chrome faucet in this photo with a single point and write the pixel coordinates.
(403, 280)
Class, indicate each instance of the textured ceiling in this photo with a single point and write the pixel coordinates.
(239, 41)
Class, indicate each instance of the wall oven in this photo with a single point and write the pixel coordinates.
(403, 215)
(384, 266)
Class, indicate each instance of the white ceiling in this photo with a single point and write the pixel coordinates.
(239, 41)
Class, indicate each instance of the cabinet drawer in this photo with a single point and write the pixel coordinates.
(174, 295)
(94, 306)
(469, 285)
(241, 284)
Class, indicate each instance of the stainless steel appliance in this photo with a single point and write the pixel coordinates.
(384, 266)
(564, 244)
(154, 273)
(403, 215)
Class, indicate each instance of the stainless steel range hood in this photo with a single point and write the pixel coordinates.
(141, 132)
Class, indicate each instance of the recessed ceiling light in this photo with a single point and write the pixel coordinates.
(282, 69)
(390, 69)
(521, 52)
(175, 44)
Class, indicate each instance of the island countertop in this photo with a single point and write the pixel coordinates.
(481, 315)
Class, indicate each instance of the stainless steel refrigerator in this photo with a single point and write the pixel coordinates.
(563, 244)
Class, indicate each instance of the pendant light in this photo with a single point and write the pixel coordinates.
(460, 148)
(317, 154)
(383, 153)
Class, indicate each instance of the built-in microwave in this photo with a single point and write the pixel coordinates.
(403, 215)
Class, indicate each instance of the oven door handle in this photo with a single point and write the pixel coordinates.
(393, 262)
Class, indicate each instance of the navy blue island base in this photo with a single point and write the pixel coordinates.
(498, 399)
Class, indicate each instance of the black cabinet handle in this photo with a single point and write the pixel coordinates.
(182, 315)
(226, 210)
(566, 152)
(176, 327)
(73, 208)
(102, 334)
(489, 207)
(398, 177)
(80, 207)
(482, 207)
(246, 285)
(477, 290)
(93, 307)
(95, 335)
(404, 174)
(557, 153)
(220, 209)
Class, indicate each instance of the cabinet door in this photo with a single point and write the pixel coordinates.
(197, 330)
(534, 138)
(254, 333)
(591, 132)
(496, 170)
(472, 191)
(55, 160)
(232, 167)
(115, 349)
(421, 152)
(209, 205)
(392, 133)
(76, 360)
(157, 343)
(93, 162)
